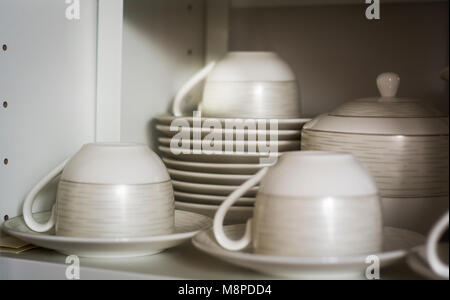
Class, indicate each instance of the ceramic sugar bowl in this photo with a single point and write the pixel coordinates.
(109, 191)
(404, 143)
(310, 204)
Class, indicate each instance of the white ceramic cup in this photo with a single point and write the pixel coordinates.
(436, 264)
(109, 191)
(257, 85)
(310, 204)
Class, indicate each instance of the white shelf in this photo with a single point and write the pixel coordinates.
(269, 3)
(184, 262)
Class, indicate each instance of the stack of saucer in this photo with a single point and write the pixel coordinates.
(258, 88)
(203, 178)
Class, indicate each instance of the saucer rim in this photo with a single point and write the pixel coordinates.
(303, 261)
(290, 121)
(123, 240)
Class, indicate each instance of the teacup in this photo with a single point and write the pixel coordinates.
(256, 85)
(310, 204)
(108, 191)
(436, 264)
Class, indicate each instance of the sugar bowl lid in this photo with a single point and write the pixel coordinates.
(388, 105)
(384, 115)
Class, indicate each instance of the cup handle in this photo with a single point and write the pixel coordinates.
(219, 232)
(177, 106)
(435, 262)
(29, 200)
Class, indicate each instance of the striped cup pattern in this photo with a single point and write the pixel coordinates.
(317, 226)
(114, 211)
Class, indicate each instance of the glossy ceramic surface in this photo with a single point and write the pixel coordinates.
(316, 227)
(114, 211)
(310, 204)
(318, 174)
(255, 99)
(417, 165)
(434, 260)
(236, 214)
(396, 244)
(245, 146)
(403, 142)
(229, 134)
(216, 168)
(209, 189)
(245, 85)
(283, 124)
(115, 163)
(251, 66)
(108, 190)
(186, 226)
(207, 156)
(211, 199)
(208, 178)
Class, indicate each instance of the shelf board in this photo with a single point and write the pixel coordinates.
(270, 3)
(184, 262)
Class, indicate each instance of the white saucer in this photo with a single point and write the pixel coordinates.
(187, 224)
(224, 157)
(283, 124)
(397, 242)
(282, 146)
(417, 262)
(208, 178)
(217, 168)
(282, 134)
(235, 215)
(209, 189)
(210, 199)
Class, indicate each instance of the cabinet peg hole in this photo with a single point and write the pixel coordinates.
(5, 161)
(5, 104)
(4, 47)
(6, 218)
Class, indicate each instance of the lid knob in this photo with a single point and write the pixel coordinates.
(388, 84)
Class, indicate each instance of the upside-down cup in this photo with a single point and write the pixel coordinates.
(108, 191)
(310, 204)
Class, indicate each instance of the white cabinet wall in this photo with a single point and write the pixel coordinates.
(48, 80)
(337, 53)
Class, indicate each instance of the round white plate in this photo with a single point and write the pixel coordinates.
(209, 189)
(187, 224)
(235, 215)
(216, 168)
(208, 178)
(283, 124)
(282, 135)
(397, 242)
(224, 157)
(416, 260)
(211, 200)
(281, 146)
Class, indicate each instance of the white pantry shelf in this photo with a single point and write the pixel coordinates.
(184, 262)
